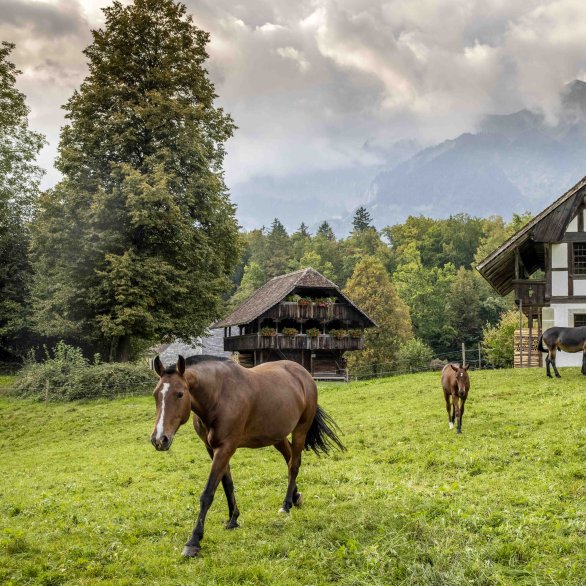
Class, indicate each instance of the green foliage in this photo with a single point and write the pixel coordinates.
(66, 375)
(414, 355)
(427, 292)
(266, 331)
(253, 278)
(362, 220)
(409, 503)
(19, 187)
(498, 343)
(338, 333)
(313, 332)
(372, 290)
(139, 239)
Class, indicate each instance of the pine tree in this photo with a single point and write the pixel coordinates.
(139, 239)
(325, 231)
(370, 287)
(362, 220)
(19, 186)
(277, 250)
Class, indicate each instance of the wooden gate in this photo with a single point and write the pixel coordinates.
(525, 349)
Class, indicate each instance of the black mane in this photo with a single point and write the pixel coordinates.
(196, 359)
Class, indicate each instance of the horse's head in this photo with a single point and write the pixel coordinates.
(173, 402)
(461, 378)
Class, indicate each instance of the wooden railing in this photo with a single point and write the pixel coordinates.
(294, 311)
(530, 292)
(299, 342)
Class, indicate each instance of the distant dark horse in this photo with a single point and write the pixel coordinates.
(456, 384)
(566, 339)
(235, 407)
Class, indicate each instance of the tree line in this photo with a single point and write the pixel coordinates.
(138, 242)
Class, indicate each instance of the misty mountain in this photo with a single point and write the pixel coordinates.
(512, 163)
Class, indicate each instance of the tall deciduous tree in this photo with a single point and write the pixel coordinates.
(19, 186)
(370, 287)
(139, 239)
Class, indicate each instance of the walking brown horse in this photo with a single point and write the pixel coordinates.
(456, 384)
(566, 339)
(235, 407)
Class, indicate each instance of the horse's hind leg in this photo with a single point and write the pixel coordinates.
(584, 362)
(228, 486)
(284, 447)
(547, 365)
(294, 464)
(552, 354)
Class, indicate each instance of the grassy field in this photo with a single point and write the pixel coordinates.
(85, 499)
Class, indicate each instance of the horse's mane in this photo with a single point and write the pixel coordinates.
(196, 359)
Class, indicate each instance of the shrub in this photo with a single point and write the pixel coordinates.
(268, 332)
(66, 375)
(290, 331)
(313, 332)
(414, 355)
(498, 343)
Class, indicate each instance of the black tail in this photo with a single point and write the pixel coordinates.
(321, 435)
(540, 345)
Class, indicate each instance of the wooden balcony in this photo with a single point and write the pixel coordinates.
(299, 342)
(294, 311)
(530, 292)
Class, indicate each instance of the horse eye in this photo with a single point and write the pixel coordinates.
(180, 394)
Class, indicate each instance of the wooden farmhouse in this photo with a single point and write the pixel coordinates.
(301, 316)
(544, 263)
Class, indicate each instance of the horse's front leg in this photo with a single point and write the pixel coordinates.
(220, 462)
(449, 410)
(584, 362)
(228, 484)
(457, 412)
(461, 415)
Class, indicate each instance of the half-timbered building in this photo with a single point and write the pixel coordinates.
(300, 316)
(544, 263)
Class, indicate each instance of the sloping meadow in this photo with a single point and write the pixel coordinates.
(87, 500)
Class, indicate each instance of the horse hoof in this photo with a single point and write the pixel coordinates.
(190, 551)
(283, 511)
(458, 431)
(451, 425)
(232, 525)
(558, 376)
(299, 500)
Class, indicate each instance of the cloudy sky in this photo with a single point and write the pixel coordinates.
(323, 86)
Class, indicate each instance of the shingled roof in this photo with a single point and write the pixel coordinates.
(498, 268)
(275, 291)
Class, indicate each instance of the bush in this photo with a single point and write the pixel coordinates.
(414, 355)
(498, 343)
(66, 375)
(290, 331)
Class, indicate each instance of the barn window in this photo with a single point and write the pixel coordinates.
(579, 319)
(580, 258)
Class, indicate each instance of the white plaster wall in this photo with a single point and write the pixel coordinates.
(559, 283)
(573, 225)
(580, 287)
(563, 317)
(559, 255)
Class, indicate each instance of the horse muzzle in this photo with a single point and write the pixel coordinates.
(162, 444)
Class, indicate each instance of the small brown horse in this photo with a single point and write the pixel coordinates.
(235, 407)
(456, 384)
(566, 339)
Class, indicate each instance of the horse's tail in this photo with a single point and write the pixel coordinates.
(540, 346)
(321, 436)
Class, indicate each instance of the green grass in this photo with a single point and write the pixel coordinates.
(6, 382)
(85, 499)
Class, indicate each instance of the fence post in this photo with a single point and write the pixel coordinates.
(463, 354)
(479, 357)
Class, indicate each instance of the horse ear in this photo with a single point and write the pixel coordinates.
(454, 367)
(180, 365)
(466, 367)
(158, 366)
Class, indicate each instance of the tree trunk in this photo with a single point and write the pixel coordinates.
(123, 349)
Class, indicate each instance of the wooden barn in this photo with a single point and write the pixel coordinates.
(300, 316)
(544, 263)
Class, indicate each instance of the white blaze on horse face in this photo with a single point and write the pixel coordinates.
(161, 422)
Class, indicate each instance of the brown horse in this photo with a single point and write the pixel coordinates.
(566, 339)
(235, 407)
(456, 384)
